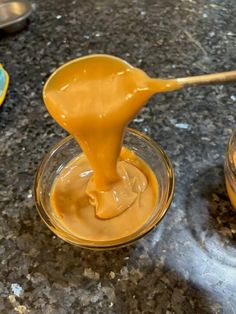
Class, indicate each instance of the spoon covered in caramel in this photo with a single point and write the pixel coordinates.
(94, 98)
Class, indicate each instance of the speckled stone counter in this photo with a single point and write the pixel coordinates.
(187, 264)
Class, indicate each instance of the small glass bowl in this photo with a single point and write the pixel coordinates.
(230, 169)
(67, 149)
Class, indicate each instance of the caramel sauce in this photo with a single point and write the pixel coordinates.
(94, 98)
(73, 206)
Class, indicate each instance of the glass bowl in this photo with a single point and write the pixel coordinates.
(230, 169)
(67, 149)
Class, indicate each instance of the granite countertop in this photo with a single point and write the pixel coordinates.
(187, 264)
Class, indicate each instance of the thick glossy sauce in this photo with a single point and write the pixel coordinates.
(72, 201)
(94, 99)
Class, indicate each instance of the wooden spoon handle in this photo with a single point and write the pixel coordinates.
(216, 78)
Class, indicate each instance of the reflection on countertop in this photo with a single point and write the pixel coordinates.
(186, 265)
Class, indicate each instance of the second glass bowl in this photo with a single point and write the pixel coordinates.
(67, 149)
(230, 169)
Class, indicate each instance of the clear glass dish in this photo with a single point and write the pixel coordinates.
(230, 169)
(67, 149)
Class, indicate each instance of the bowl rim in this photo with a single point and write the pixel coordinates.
(102, 245)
